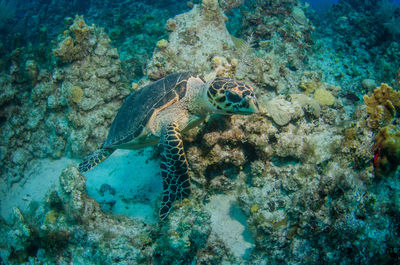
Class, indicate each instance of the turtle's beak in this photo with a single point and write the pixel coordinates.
(253, 105)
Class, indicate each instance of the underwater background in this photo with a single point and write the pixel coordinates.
(311, 179)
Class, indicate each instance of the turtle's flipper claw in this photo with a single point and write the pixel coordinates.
(174, 169)
(94, 159)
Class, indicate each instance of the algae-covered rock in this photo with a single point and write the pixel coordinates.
(387, 151)
(308, 104)
(76, 44)
(184, 235)
(194, 38)
(283, 111)
(229, 4)
(15, 238)
(75, 94)
(368, 84)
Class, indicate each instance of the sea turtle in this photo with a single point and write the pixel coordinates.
(159, 112)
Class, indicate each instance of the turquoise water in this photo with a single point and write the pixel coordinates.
(292, 157)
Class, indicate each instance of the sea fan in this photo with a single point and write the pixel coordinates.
(393, 26)
(244, 48)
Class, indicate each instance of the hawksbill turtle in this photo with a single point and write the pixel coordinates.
(159, 112)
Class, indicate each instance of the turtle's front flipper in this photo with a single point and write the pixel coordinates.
(174, 167)
(94, 158)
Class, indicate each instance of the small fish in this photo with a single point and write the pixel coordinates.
(351, 96)
(27, 197)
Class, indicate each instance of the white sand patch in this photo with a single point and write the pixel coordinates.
(135, 182)
(135, 178)
(229, 223)
(41, 176)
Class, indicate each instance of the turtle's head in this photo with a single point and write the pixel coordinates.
(229, 96)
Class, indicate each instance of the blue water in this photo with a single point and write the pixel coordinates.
(322, 5)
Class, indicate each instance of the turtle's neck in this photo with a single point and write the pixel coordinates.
(198, 103)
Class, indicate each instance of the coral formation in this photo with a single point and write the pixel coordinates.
(369, 84)
(387, 151)
(381, 106)
(194, 38)
(230, 4)
(71, 221)
(324, 97)
(222, 68)
(185, 235)
(357, 146)
(283, 111)
(74, 43)
(68, 111)
(310, 86)
(311, 83)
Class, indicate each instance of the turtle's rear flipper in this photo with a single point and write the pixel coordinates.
(174, 169)
(94, 158)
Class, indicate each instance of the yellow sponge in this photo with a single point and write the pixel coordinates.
(324, 97)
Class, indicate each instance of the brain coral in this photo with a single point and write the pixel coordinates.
(381, 106)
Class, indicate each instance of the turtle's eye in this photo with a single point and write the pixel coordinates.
(221, 99)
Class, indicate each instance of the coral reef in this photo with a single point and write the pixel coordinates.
(318, 219)
(349, 35)
(72, 228)
(295, 181)
(381, 106)
(68, 110)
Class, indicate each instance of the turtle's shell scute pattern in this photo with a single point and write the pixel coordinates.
(138, 108)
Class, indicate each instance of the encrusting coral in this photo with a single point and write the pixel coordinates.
(387, 151)
(283, 111)
(74, 45)
(311, 83)
(381, 106)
